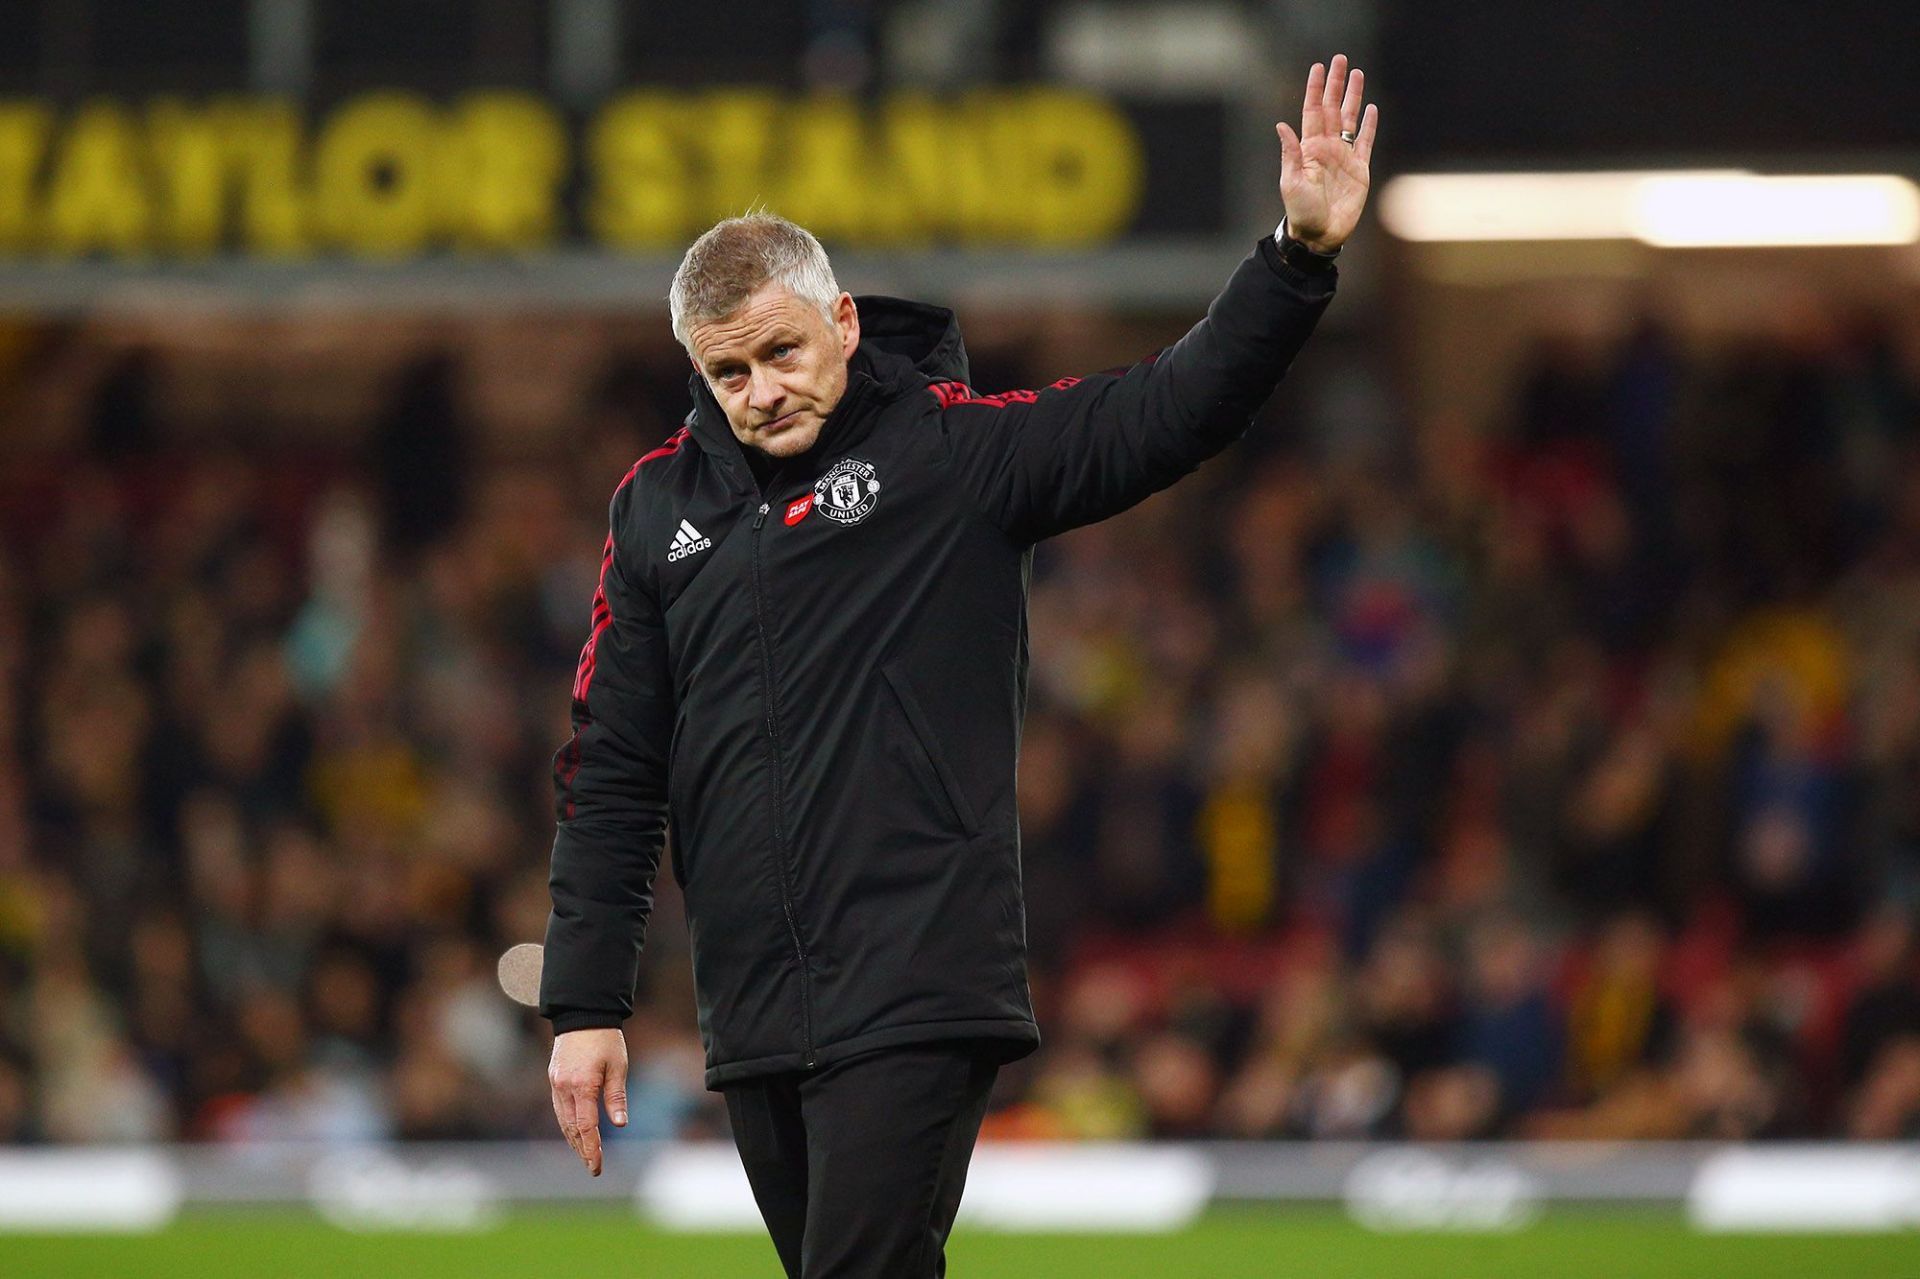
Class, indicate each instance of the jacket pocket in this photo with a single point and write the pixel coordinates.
(922, 733)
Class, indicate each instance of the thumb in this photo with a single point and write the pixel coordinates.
(1289, 149)
(616, 1093)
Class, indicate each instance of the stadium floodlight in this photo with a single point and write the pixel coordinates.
(1754, 211)
(1510, 206)
(1700, 208)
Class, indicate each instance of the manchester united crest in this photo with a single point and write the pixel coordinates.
(847, 492)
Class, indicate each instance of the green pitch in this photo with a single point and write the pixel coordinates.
(1226, 1245)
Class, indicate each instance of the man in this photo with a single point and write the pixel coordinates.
(809, 650)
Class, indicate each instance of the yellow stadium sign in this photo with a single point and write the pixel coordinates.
(394, 174)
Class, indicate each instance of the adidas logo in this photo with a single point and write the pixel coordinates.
(688, 541)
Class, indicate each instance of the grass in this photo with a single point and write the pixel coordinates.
(1245, 1244)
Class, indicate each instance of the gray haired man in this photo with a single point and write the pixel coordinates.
(809, 655)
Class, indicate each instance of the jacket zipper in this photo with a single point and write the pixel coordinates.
(779, 792)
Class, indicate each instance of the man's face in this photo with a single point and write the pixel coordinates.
(777, 366)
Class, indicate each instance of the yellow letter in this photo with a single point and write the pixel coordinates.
(190, 176)
(23, 140)
(373, 174)
(508, 154)
(97, 199)
(1082, 169)
(733, 138)
(639, 195)
(823, 180)
(995, 123)
(940, 177)
(267, 141)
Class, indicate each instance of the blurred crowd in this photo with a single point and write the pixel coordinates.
(1556, 775)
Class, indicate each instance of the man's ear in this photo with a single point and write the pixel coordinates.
(846, 318)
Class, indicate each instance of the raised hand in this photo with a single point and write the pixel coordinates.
(1323, 178)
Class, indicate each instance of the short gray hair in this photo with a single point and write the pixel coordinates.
(731, 262)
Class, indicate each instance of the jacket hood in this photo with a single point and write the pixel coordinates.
(903, 346)
(927, 337)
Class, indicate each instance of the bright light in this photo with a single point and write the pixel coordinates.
(1670, 209)
(1510, 206)
(1748, 210)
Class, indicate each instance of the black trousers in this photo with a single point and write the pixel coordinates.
(858, 1166)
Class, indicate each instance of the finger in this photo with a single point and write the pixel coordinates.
(1330, 95)
(1310, 107)
(1350, 103)
(586, 1117)
(1369, 125)
(616, 1093)
(563, 1114)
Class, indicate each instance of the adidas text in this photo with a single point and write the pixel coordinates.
(687, 541)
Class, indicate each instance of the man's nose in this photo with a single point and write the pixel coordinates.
(763, 391)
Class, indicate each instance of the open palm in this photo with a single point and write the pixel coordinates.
(1323, 178)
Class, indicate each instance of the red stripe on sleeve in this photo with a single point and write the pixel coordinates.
(602, 611)
(952, 393)
(602, 618)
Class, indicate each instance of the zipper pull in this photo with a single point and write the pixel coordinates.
(761, 518)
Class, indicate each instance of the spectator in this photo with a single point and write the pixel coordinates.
(1508, 1026)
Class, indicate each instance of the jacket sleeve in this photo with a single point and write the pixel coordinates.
(610, 798)
(1039, 463)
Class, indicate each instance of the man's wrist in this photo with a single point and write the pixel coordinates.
(1303, 253)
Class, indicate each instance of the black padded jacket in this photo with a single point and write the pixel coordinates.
(819, 683)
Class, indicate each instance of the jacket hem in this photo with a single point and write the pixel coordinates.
(1021, 1038)
(570, 1021)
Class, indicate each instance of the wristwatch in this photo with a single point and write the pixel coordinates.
(1299, 256)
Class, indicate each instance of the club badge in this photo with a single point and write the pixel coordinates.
(847, 492)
